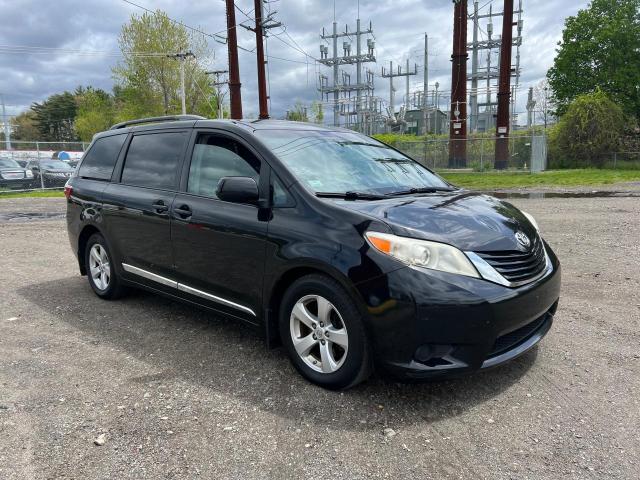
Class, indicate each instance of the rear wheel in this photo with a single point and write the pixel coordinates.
(323, 333)
(100, 270)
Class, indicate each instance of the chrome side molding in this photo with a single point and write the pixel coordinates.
(150, 276)
(194, 291)
(185, 288)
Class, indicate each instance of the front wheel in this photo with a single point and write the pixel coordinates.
(323, 333)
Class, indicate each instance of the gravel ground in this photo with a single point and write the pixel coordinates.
(178, 393)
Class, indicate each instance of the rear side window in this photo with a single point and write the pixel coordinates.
(153, 159)
(99, 161)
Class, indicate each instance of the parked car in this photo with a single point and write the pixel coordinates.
(65, 157)
(55, 173)
(348, 252)
(12, 175)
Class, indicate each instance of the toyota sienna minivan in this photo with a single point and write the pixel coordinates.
(346, 252)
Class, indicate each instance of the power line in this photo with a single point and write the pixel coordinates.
(38, 50)
(214, 35)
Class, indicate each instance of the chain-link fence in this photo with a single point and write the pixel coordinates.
(526, 153)
(615, 160)
(38, 165)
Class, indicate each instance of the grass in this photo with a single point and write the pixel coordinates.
(551, 178)
(480, 181)
(32, 194)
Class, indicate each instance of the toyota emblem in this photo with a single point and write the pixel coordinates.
(522, 239)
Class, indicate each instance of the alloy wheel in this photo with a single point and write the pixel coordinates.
(318, 333)
(99, 266)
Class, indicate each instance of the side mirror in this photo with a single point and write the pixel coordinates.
(238, 190)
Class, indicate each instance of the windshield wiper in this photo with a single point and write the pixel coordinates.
(351, 195)
(421, 190)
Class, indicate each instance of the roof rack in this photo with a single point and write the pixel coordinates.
(167, 118)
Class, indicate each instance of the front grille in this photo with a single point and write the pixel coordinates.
(512, 339)
(518, 267)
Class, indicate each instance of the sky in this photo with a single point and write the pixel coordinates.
(66, 43)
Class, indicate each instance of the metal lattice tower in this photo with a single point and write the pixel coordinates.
(490, 72)
(341, 87)
(390, 74)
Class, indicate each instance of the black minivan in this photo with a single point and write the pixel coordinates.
(346, 251)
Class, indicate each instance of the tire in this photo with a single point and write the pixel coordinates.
(101, 271)
(324, 336)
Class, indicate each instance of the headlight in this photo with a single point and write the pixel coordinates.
(422, 253)
(531, 219)
(28, 174)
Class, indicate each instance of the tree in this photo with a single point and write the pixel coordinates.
(599, 49)
(24, 127)
(54, 118)
(301, 113)
(298, 113)
(96, 113)
(590, 129)
(318, 112)
(148, 78)
(545, 104)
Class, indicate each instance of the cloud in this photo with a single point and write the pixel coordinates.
(399, 27)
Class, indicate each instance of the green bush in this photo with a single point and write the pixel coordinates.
(588, 133)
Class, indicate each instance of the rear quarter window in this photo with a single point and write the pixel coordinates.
(153, 160)
(99, 161)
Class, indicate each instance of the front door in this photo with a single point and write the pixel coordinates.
(137, 209)
(219, 247)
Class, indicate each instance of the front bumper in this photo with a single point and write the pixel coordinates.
(16, 183)
(426, 324)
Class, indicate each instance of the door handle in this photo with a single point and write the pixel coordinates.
(183, 211)
(160, 207)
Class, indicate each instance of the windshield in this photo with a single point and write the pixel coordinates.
(8, 163)
(55, 164)
(341, 162)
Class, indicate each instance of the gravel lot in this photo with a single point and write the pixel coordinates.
(179, 393)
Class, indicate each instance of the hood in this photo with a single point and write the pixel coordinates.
(466, 220)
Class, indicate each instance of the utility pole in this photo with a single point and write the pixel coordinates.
(489, 108)
(182, 57)
(458, 108)
(262, 78)
(358, 75)
(531, 105)
(517, 43)
(426, 117)
(391, 89)
(436, 101)
(336, 92)
(262, 24)
(546, 110)
(362, 86)
(234, 70)
(473, 98)
(7, 125)
(217, 83)
(504, 88)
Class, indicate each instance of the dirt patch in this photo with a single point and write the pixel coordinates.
(147, 388)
